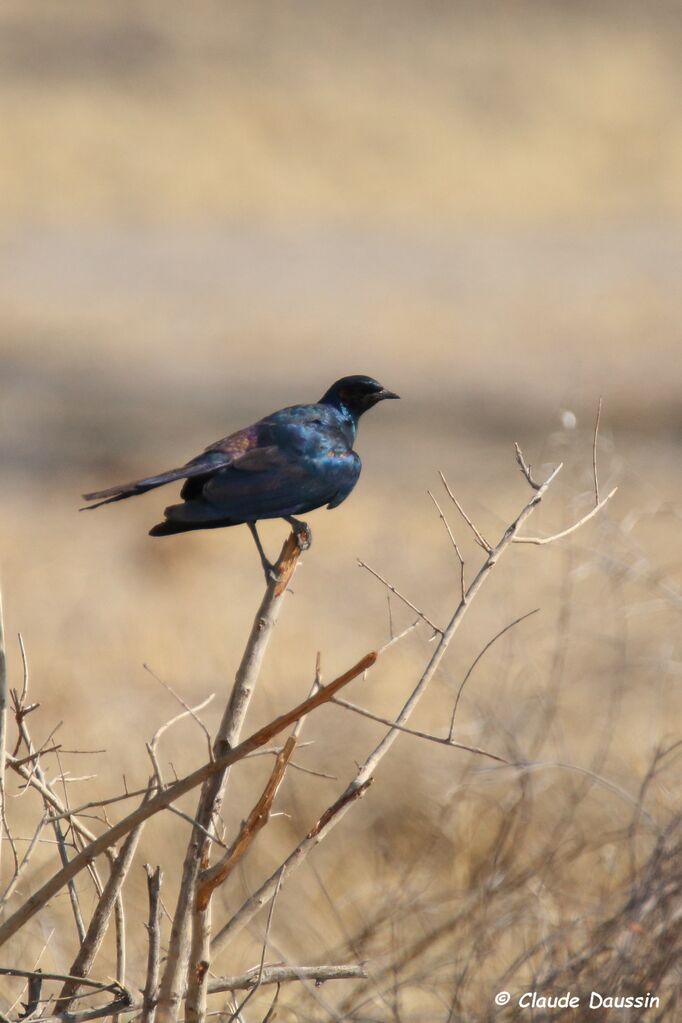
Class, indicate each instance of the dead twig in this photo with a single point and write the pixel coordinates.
(25, 860)
(3, 730)
(37, 772)
(441, 740)
(240, 982)
(187, 712)
(212, 877)
(400, 596)
(154, 881)
(525, 468)
(594, 454)
(192, 712)
(478, 658)
(480, 539)
(259, 978)
(32, 1004)
(452, 540)
(170, 794)
(100, 920)
(570, 529)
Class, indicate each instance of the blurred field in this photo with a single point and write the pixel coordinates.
(206, 215)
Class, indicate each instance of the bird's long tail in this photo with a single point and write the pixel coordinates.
(124, 490)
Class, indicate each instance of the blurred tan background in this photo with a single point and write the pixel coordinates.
(208, 212)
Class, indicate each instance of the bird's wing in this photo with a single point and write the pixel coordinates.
(265, 482)
(234, 445)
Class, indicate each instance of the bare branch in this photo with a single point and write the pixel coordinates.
(94, 804)
(198, 850)
(121, 1004)
(35, 987)
(240, 982)
(188, 711)
(22, 973)
(571, 529)
(480, 539)
(37, 772)
(214, 876)
(284, 974)
(52, 800)
(11, 971)
(267, 890)
(154, 881)
(594, 454)
(525, 468)
(25, 860)
(400, 596)
(259, 978)
(396, 639)
(191, 932)
(3, 727)
(24, 662)
(453, 541)
(478, 658)
(100, 920)
(441, 740)
(191, 711)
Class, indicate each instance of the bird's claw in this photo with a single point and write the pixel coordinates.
(302, 532)
(304, 536)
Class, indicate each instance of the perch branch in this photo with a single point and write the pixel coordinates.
(190, 943)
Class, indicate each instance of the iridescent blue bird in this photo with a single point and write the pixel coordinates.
(285, 465)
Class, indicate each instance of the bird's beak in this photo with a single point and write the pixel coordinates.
(387, 394)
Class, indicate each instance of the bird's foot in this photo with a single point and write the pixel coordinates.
(270, 572)
(302, 532)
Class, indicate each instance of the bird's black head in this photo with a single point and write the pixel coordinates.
(356, 393)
